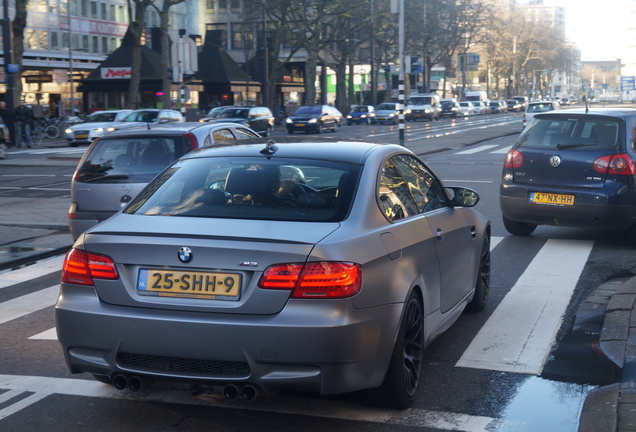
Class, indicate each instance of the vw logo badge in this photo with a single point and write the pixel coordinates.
(185, 254)
(555, 161)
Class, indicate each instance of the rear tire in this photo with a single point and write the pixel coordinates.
(404, 373)
(518, 228)
(482, 287)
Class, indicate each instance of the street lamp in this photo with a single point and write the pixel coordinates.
(70, 57)
(8, 56)
(265, 60)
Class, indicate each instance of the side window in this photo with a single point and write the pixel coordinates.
(242, 133)
(426, 189)
(222, 135)
(394, 198)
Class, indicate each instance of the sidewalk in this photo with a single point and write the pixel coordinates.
(36, 228)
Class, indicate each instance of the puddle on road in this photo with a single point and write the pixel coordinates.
(541, 405)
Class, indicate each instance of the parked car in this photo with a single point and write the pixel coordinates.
(215, 112)
(257, 268)
(5, 140)
(387, 112)
(467, 107)
(523, 101)
(146, 117)
(513, 105)
(481, 107)
(313, 118)
(498, 107)
(572, 168)
(119, 164)
(423, 106)
(93, 126)
(259, 119)
(361, 114)
(536, 108)
(451, 109)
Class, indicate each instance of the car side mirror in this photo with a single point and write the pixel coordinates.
(463, 197)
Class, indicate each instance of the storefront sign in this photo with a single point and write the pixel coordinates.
(115, 72)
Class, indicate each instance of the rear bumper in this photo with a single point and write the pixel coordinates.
(593, 210)
(297, 349)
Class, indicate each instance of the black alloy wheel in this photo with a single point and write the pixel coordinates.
(482, 286)
(404, 374)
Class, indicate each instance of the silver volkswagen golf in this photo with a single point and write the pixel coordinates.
(315, 266)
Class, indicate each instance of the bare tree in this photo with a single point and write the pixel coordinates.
(137, 13)
(18, 25)
(164, 23)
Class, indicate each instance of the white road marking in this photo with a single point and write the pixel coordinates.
(519, 334)
(24, 274)
(477, 149)
(50, 334)
(502, 150)
(21, 404)
(29, 303)
(44, 386)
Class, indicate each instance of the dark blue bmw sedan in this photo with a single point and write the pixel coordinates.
(572, 168)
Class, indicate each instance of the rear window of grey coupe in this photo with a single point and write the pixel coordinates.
(572, 133)
(290, 190)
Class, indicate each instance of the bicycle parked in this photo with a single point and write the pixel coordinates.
(50, 127)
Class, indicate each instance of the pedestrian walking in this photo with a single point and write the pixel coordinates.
(24, 122)
(9, 121)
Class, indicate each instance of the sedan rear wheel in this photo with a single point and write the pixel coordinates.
(518, 228)
(403, 376)
(482, 287)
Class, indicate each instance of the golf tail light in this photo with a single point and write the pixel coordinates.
(323, 279)
(81, 267)
(514, 159)
(616, 164)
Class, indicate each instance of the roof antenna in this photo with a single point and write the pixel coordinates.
(587, 108)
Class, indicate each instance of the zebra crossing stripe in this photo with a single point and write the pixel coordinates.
(519, 334)
(29, 303)
(21, 404)
(477, 149)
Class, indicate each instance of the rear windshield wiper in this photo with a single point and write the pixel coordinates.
(572, 145)
(107, 177)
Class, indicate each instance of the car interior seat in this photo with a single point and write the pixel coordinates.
(155, 154)
(254, 185)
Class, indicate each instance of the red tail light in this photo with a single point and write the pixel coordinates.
(81, 267)
(514, 159)
(315, 279)
(192, 140)
(616, 164)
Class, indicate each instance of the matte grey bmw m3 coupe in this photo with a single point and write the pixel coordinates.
(262, 267)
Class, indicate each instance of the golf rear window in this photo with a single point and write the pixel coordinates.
(572, 133)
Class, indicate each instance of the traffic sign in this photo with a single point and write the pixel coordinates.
(628, 83)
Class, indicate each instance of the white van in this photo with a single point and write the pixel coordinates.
(476, 96)
(425, 106)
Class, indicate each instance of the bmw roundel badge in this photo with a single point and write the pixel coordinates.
(185, 254)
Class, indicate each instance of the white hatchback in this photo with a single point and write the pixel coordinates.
(537, 108)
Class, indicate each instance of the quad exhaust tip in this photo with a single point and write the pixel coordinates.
(247, 392)
(133, 383)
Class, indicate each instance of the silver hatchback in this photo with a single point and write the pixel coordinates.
(118, 165)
